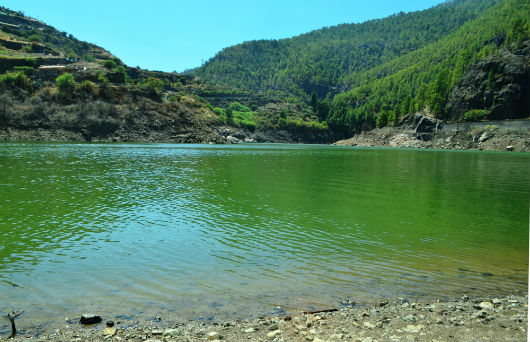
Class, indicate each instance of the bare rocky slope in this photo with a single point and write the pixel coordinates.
(498, 84)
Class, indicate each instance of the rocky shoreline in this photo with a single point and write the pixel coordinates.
(461, 319)
(488, 138)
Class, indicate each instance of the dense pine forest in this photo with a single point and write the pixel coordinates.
(359, 76)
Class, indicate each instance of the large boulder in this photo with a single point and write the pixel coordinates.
(420, 123)
(498, 84)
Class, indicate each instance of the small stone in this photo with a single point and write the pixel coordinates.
(300, 327)
(110, 324)
(414, 328)
(410, 318)
(509, 148)
(109, 331)
(379, 324)
(486, 305)
(513, 301)
(336, 337)
(273, 326)
(90, 319)
(368, 325)
(366, 314)
(383, 303)
(273, 334)
(171, 332)
(439, 321)
(386, 320)
(367, 339)
(316, 319)
(480, 314)
(249, 330)
(156, 332)
(316, 339)
(212, 335)
(465, 298)
(496, 301)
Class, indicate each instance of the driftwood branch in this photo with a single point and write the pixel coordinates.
(12, 315)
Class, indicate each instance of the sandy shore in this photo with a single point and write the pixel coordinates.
(462, 319)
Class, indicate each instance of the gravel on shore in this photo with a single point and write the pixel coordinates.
(487, 139)
(462, 319)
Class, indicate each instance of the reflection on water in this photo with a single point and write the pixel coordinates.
(202, 231)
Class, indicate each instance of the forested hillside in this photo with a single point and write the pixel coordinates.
(322, 59)
(359, 76)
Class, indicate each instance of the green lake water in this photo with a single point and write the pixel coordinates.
(209, 232)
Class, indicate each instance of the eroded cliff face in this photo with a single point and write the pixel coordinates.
(499, 84)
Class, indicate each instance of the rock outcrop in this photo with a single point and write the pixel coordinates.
(423, 126)
(498, 84)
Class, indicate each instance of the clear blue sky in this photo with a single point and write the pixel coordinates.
(178, 35)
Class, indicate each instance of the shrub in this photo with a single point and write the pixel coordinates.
(120, 68)
(65, 82)
(154, 83)
(25, 69)
(110, 64)
(35, 38)
(475, 115)
(173, 98)
(103, 79)
(15, 80)
(238, 107)
(88, 87)
(88, 58)
(30, 61)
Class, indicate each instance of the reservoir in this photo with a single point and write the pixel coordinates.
(206, 232)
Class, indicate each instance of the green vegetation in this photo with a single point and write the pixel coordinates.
(238, 115)
(475, 115)
(337, 80)
(25, 69)
(110, 64)
(65, 82)
(14, 80)
(35, 38)
(392, 67)
(88, 87)
(322, 59)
